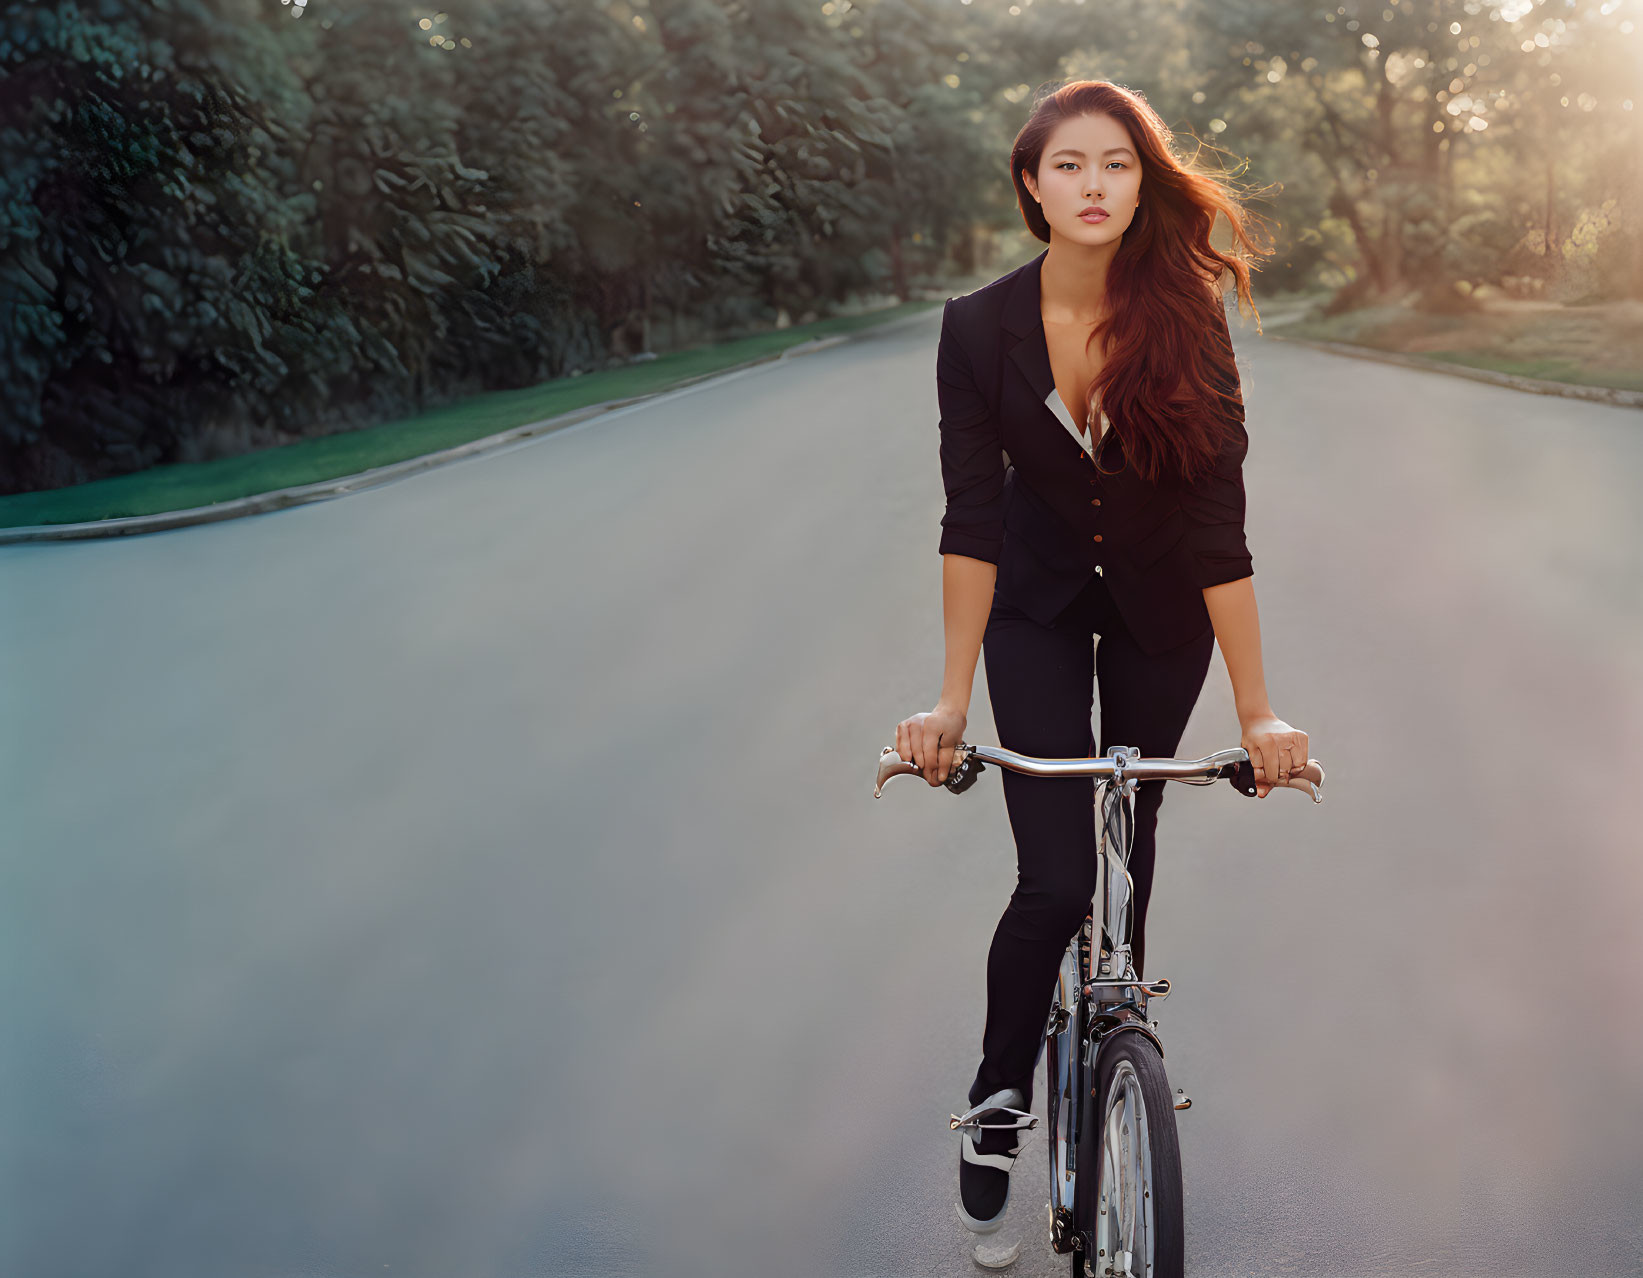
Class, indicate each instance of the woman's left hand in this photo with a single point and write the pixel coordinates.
(1275, 750)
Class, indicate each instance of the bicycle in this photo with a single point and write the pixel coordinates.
(1099, 1043)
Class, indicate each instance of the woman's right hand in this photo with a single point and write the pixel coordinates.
(929, 740)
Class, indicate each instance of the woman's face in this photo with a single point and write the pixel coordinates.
(1087, 160)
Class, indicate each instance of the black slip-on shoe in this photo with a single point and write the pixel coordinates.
(989, 1141)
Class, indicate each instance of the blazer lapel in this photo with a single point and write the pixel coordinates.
(1030, 350)
(1023, 322)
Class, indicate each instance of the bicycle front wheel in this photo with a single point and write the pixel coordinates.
(1129, 1203)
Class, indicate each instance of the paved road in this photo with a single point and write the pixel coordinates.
(479, 875)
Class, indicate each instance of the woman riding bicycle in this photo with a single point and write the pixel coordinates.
(1104, 369)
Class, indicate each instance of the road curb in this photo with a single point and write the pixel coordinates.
(325, 489)
(1535, 385)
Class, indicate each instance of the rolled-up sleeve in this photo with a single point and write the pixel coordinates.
(972, 455)
(1214, 504)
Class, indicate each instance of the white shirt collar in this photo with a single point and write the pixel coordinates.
(1053, 402)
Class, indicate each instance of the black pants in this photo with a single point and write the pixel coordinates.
(1040, 680)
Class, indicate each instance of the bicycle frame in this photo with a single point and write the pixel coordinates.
(1115, 887)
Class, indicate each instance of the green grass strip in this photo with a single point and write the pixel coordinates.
(184, 485)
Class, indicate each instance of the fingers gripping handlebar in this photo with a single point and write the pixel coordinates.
(1120, 763)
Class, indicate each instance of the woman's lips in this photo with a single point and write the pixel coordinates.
(1093, 217)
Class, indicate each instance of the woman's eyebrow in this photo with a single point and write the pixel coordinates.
(1111, 150)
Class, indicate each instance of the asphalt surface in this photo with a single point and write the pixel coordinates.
(478, 876)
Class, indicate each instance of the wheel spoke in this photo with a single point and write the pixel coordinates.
(1128, 1150)
(1138, 1131)
(1115, 1160)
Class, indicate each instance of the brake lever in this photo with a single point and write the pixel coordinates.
(1309, 778)
(966, 768)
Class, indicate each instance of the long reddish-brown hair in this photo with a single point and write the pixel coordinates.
(1169, 380)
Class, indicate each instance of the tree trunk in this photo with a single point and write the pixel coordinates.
(645, 312)
(1550, 231)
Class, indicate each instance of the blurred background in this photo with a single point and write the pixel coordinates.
(478, 875)
(227, 225)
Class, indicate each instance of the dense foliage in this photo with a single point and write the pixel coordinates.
(223, 228)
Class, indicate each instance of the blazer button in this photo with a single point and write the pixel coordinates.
(1098, 536)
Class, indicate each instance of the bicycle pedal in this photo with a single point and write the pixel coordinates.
(1182, 1100)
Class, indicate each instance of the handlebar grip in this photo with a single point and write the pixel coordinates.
(1306, 779)
(960, 777)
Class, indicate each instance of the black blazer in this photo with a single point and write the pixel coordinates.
(1024, 495)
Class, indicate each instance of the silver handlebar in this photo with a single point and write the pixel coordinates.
(1121, 763)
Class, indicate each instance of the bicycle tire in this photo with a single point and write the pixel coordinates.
(1131, 1090)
